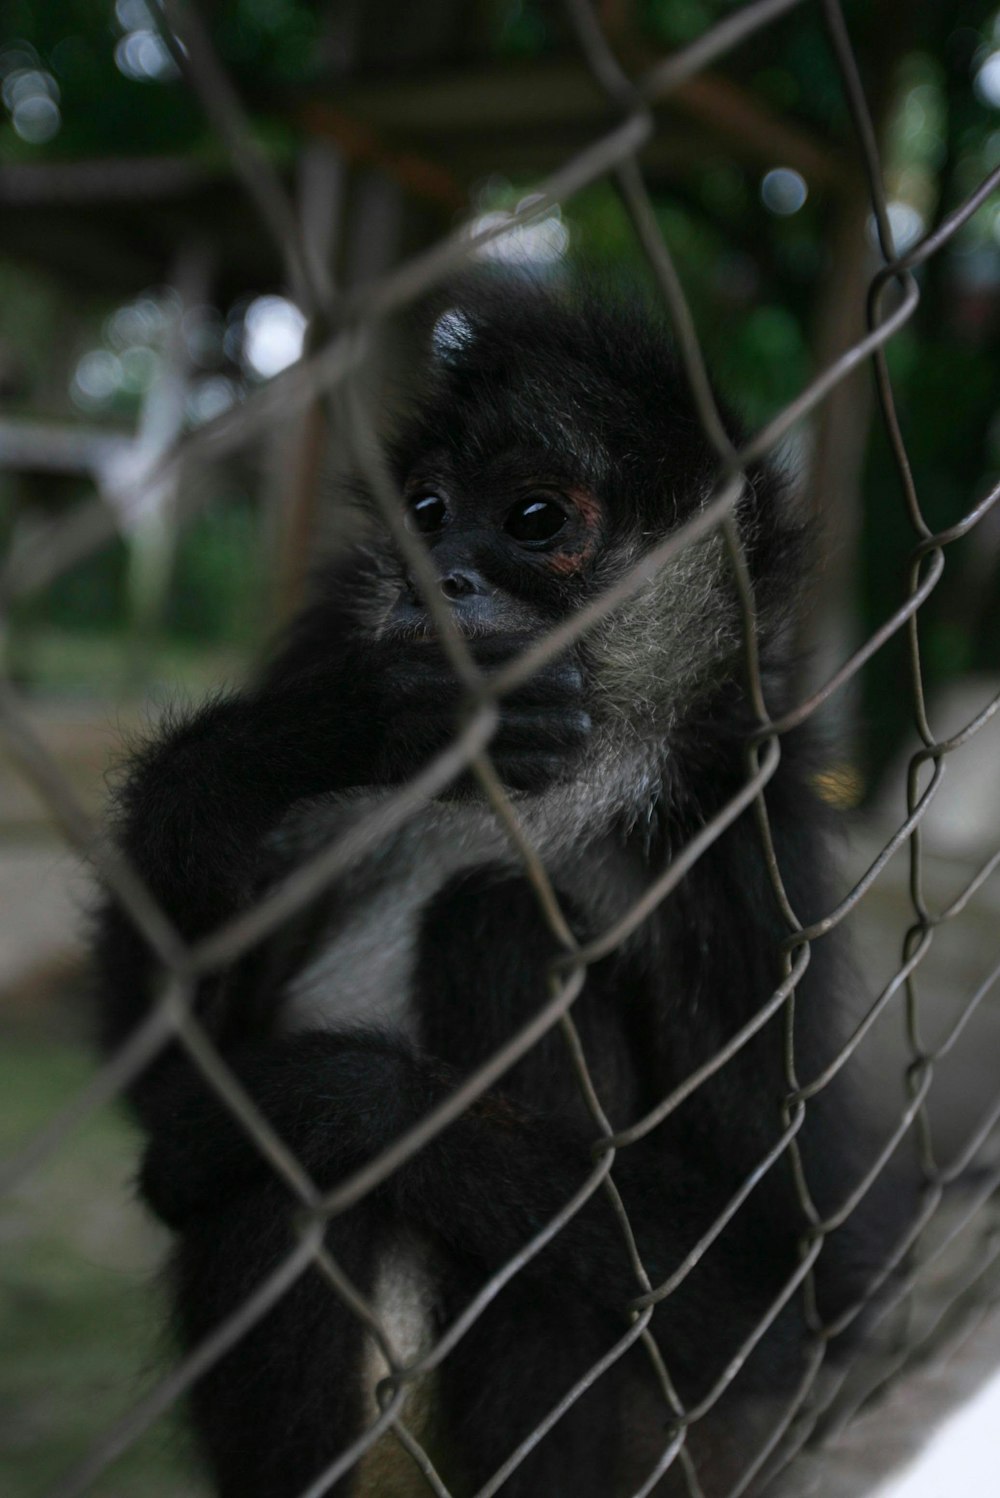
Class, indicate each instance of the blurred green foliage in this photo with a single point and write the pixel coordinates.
(107, 108)
(757, 277)
(80, 1325)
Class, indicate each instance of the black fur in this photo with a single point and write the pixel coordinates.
(586, 398)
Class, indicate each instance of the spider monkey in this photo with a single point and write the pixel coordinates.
(553, 443)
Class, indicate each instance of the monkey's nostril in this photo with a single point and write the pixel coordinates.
(457, 585)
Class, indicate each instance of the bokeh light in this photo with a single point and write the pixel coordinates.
(783, 191)
(273, 335)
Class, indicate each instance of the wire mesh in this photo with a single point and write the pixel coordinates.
(328, 373)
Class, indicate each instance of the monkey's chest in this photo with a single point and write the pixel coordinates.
(358, 967)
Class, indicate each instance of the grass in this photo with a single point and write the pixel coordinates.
(80, 1315)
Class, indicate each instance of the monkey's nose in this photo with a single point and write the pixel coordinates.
(455, 585)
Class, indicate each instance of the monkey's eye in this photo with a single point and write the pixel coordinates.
(535, 520)
(427, 513)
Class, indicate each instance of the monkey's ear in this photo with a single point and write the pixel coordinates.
(452, 337)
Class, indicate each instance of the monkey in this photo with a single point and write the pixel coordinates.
(552, 441)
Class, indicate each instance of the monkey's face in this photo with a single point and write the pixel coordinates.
(554, 445)
(551, 446)
(512, 543)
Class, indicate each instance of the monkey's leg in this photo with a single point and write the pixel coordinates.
(481, 974)
(288, 1399)
(484, 936)
(510, 1371)
(481, 1189)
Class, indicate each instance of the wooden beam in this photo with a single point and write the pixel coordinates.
(437, 112)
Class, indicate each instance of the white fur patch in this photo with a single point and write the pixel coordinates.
(363, 972)
(451, 334)
(661, 646)
(403, 1301)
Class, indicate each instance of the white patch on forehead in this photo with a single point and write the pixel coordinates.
(452, 334)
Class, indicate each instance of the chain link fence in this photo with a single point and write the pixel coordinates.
(341, 324)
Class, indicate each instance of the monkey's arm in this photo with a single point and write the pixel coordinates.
(484, 1186)
(196, 809)
(198, 803)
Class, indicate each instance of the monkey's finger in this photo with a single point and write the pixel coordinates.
(542, 730)
(416, 669)
(421, 669)
(531, 771)
(561, 682)
(496, 651)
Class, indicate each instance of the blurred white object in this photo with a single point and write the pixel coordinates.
(963, 820)
(961, 1458)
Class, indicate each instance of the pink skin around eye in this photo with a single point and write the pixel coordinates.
(568, 563)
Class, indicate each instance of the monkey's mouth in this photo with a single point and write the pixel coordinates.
(474, 618)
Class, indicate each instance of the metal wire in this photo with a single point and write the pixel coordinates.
(341, 322)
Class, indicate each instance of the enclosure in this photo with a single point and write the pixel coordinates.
(215, 219)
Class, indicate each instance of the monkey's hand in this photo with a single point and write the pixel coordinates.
(544, 724)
